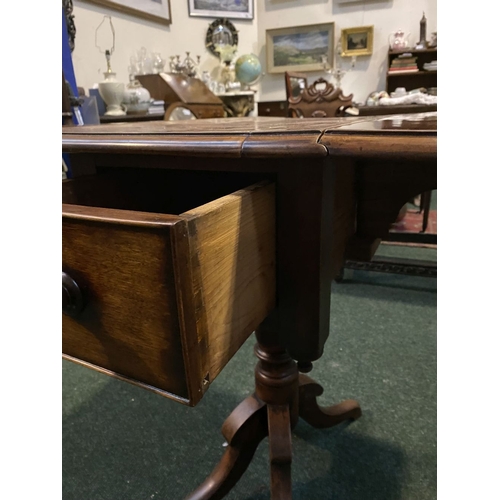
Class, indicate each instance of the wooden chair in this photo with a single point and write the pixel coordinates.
(319, 100)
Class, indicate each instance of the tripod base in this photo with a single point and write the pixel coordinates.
(282, 396)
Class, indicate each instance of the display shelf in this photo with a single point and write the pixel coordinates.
(412, 79)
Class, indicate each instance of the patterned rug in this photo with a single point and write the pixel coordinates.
(412, 223)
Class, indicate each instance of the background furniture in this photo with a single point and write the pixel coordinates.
(425, 207)
(176, 87)
(319, 100)
(280, 108)
(238, 104)
(132, 118)
(235, 104)
(295, 83)
(179, 111)
(396, 110)
(314, 170)
(272, 108)
(414, 80)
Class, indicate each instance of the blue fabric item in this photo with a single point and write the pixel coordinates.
(67, 61)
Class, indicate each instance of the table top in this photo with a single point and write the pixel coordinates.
(407, 135)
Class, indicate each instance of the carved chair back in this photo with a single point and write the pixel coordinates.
(319, 100)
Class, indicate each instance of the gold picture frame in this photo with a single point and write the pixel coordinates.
(155, 11)
(299, 48)
(357, 41)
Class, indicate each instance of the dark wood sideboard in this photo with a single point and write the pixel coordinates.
(280, 108)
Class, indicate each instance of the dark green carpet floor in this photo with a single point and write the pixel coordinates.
(121, 442)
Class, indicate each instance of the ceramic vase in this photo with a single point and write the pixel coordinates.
(112, 93)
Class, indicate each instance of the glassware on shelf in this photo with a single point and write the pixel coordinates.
(158, 63)
(142, 63)
(188, 66)
(337, 73)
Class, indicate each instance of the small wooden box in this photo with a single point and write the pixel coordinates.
(169, 297)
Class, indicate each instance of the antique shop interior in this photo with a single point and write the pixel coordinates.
(127, 63)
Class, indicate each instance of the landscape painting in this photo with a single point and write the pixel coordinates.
(357, 41)
(301, 48)
(236, 9)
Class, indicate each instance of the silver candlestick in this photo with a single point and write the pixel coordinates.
(337, 73)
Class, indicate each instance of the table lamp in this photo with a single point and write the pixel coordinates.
(111, 91)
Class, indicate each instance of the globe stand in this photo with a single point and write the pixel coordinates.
(248, 71)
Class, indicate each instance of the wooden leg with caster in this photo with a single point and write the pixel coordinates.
(281, 396)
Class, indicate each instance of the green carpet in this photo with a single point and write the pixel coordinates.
(121, 442)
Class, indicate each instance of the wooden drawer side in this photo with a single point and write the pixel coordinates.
(232, 274)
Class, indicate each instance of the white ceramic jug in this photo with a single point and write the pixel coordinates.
(137, 99)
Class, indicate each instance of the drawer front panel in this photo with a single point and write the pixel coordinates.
(130, 323)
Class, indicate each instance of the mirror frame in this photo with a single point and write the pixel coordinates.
(218, 22)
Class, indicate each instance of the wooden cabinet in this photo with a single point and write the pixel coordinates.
(415, 79)
(273, 108)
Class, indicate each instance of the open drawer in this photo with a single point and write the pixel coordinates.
(157, 294)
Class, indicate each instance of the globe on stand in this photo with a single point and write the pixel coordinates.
(248, 69)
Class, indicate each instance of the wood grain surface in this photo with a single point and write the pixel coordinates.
(261, 136)
(130, 324)
(232, 254)
(169, 298)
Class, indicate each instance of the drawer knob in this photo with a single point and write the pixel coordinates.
(72, 297)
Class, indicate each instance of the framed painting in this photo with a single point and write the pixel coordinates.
(229, 9)
(301, 48)
(157, 11)
(357, 41)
